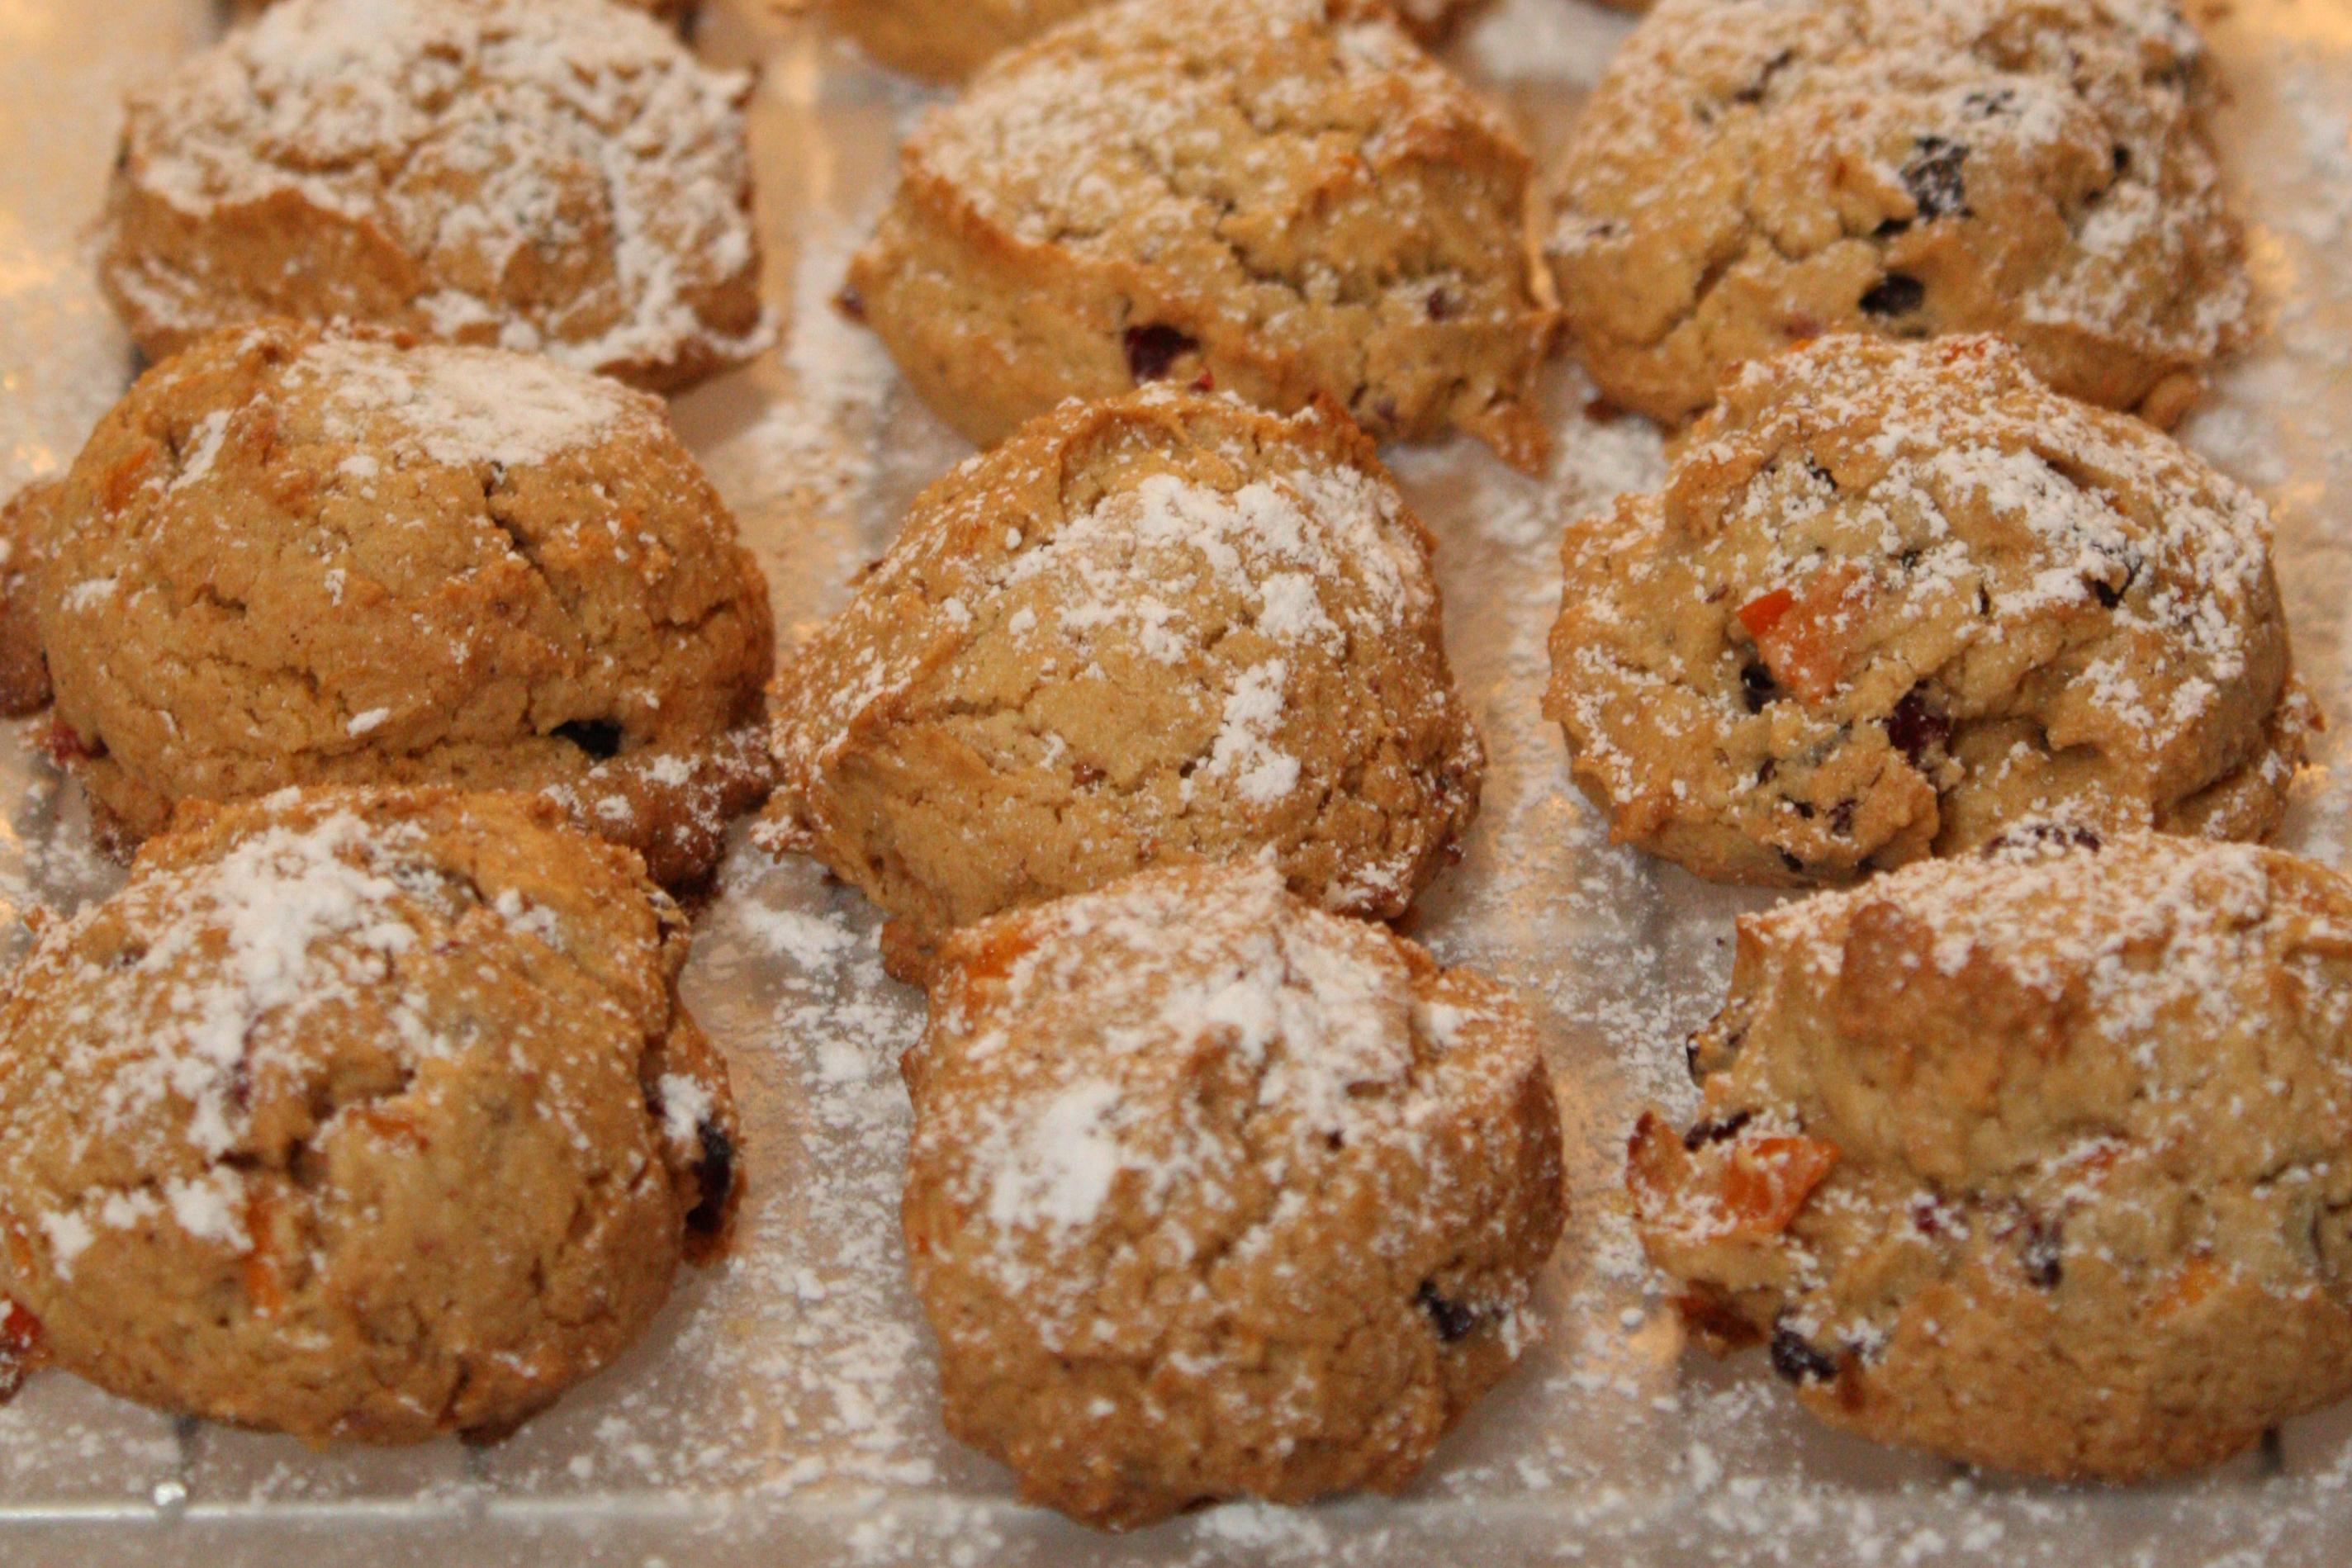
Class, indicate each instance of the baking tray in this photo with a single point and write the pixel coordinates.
(783, 1410)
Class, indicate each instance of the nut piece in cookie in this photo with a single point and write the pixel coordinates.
(1276, 198)
(537, 174)
(366, 1115)
(290, 557)
(1895, 596)
(1214, 1195)
(2034, 1158)
(1752, 174)
(949, 39)
(1161, 627)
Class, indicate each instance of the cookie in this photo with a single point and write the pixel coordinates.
(1161, 628)
(536, 174)
(2033, 1159)
(358, 1115)
(1752, 174)
(1214, 1195)
(946, 40)
(1894, 597)
(297, 558)
(1277, 198)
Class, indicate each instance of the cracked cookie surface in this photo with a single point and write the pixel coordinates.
(949, 39)
(1161, 628)
(367, 1116)
(1752, 174)
(2033, 1159)
(1276, 198)
(290, 557)
(1212, 1194)
(538, 174)
(1895, 596)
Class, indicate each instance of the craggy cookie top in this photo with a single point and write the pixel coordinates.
(946, 39)
(542, 174)
(1165, 627)
(2036, 1158)
(1893, 596)
(1214, 1193)
(358, 1115)
(1287, 196)
(290, 557)
(1754, 173)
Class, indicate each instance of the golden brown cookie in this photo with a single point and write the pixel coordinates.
(289, 557)
(358, 1115)
(2035, 1159)
(1752, 174)
(1215, 1195)
(946, 40)
(1277, 198)
(1161, 627)
(538, 174)
(1894, 597)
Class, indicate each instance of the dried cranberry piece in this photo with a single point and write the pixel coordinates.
(1932, 176)
(850, 303)
(1757, 685)
(1915, 728)
(1797, 1359)
(1895, 295)
(1454, 1319)
(65, 743)
(714, 1179)
(1150, 350)
(2040, 1255)
(20, 1346)
(1715, 1130)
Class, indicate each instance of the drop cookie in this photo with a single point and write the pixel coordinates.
(1161, 627)
(1894, 597)
(290, 557)
(1214, 1195)
(2032, 1159)
(1752, 174)
(1277, 198)
(358, 1115)
(538, 174)
(946, 40)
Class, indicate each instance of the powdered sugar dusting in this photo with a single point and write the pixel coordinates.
(463, 406)
(787, 1405)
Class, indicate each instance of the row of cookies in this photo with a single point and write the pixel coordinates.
(2027, 1151)
(1289, 199)
(1285, 199)
(367, 1109)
